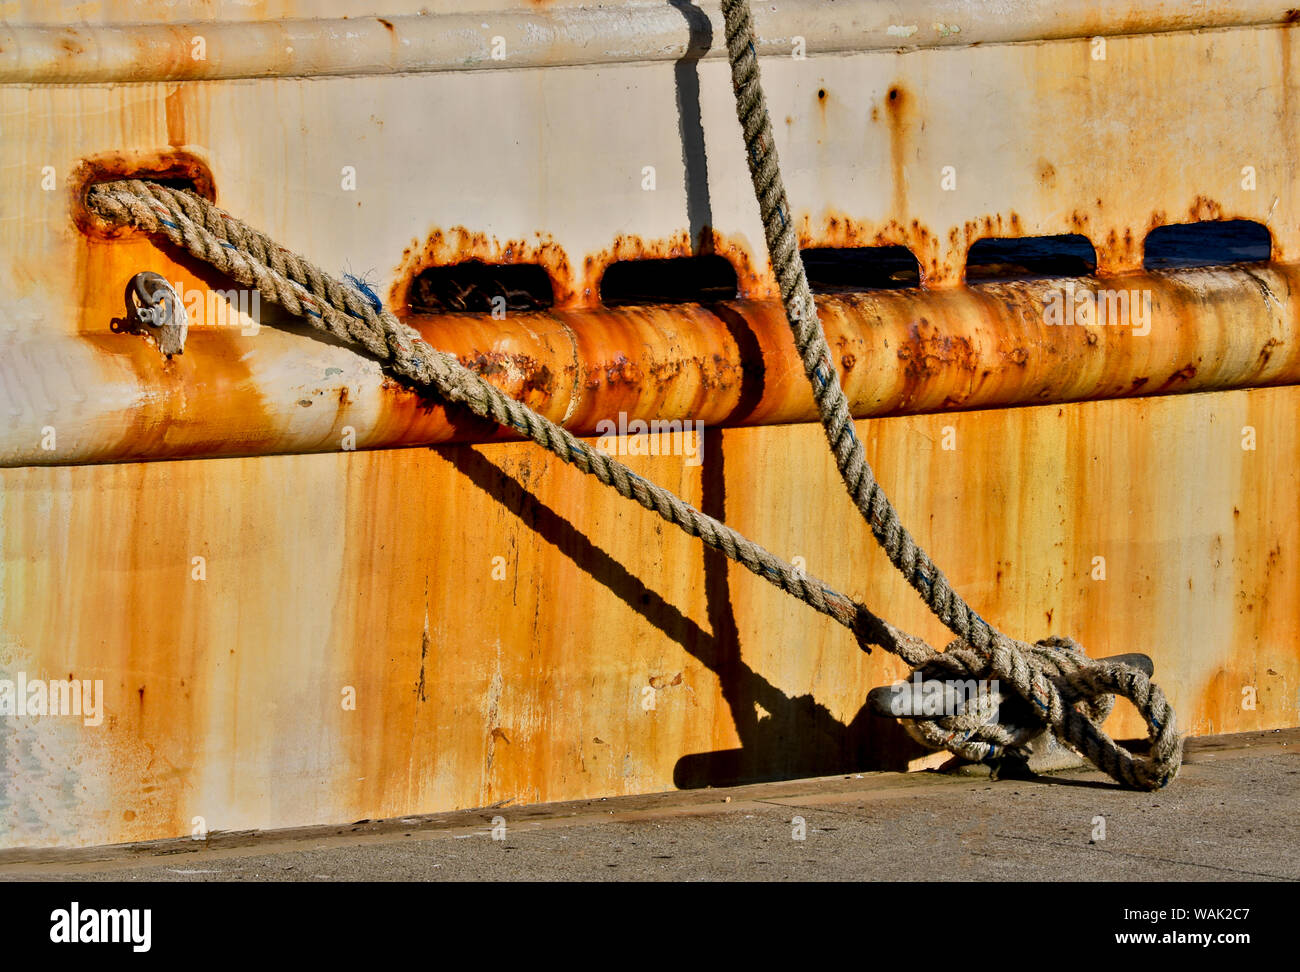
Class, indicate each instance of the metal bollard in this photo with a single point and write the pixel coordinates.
(1045, 753)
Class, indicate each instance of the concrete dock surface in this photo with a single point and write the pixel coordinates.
(1229, 816)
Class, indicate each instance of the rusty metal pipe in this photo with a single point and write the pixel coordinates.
(566, 36)
(114, 398)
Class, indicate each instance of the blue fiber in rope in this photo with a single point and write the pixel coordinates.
(360, 285)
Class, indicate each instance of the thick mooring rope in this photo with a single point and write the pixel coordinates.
(992, 654)
(1066, 691)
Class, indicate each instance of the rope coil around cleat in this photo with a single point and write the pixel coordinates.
(1068, 692)
(1054, 675)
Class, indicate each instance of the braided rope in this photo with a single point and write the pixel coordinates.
(255, 260)
(1064, 691)
(1037, 672)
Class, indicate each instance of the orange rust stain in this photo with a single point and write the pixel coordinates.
(1132, 251)
(899, 112)
(235, 417)
(533, 362)
(132, 528)
(560, 532)
(655, 361)
(1204, 208)
(1117, 254)
(1201, 209)
(1285, 38)
(838, 230)
(175, 105)
(929, 354)
(535, 376)
(457, 245)
(511, 357)
(167, 164)
(1219, 707)
(393, 37)
(750, 282)
(1184, 374)
(1079, 222)
(991, 227)
(1266, 352)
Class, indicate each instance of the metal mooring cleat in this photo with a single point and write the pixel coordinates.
(930, 698)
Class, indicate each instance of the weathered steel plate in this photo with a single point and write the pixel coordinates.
(509, 630)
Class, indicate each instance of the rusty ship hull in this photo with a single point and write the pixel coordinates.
(312, 595)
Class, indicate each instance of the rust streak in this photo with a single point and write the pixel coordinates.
(457, 244)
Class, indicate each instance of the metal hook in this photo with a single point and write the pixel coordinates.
(160, 307)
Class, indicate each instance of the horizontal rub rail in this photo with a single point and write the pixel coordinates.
(110, 397)
(565, 36)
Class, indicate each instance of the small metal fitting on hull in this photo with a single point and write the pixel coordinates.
(151, 300)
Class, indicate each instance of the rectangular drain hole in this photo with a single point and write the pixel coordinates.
(1213, 243)
(1030, 257)
(477, 287)
(851, 269)
(681, 280)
